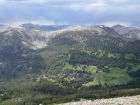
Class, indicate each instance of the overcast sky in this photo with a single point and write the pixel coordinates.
(72, 12)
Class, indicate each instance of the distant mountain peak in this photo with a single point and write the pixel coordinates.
(74, 27)
(102, 26)
(117, 26)
(44, 27)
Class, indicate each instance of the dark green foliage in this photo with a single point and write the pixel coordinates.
(21, 66)
(18, 60)
(135, 74)
(80, 57)
(63, 41)
(49, 88)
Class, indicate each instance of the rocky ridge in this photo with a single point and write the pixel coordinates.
(44, 27)
(35, 39)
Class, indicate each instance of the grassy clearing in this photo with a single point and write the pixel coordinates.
(91, 69)
(114, 55)
(67, 66)
(129, 56)
(116, 76)
(117, 55)
(130, 63)
(136, 67)
(110, 55)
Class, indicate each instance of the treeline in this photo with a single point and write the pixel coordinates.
(100, 59)
(99, 94)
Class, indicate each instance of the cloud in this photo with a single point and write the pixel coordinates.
(80, 12)
(26, 1)
(88, 7)
(101, 5)
(40, 21)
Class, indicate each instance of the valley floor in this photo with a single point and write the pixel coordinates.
(130, 100)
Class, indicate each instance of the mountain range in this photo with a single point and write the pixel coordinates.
(68, 58)
(25, 40)
(129, 32)
(44, 27)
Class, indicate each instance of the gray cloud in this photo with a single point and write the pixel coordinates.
(70, 11)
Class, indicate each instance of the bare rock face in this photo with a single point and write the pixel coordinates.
(33, 39)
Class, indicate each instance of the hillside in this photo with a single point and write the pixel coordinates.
(72, 62)
(96, 53)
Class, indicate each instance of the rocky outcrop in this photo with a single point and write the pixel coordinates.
(130, 100)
